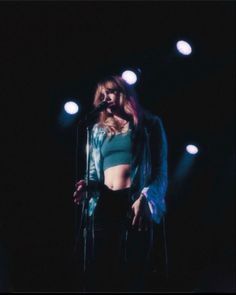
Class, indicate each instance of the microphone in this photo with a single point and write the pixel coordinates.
(99, 108)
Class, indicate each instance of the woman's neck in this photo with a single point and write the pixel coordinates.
(121, 117)
(121, 120)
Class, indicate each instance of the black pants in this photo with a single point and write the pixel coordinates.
(120, 252)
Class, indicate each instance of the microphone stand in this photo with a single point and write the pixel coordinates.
(85, 215)
(85, 222)
(84, 226)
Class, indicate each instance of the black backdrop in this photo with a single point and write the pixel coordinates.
(54, 50)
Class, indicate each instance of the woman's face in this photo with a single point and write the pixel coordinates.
(111, 94)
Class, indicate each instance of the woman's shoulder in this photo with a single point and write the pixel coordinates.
(154, 125)
(150, 119)
(98, 128)
(98, 134)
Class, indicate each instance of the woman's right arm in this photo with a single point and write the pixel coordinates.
(79, 193)
(81, 186)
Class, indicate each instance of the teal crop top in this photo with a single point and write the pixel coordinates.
(116, 150)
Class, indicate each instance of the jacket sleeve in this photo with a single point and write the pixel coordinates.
(95, 178)
(155, 192)
(92, 168)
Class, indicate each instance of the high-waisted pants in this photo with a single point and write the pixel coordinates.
(120, 251)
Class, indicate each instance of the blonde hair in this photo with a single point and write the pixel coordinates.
(128, 103)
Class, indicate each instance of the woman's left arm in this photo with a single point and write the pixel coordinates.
(155, 192)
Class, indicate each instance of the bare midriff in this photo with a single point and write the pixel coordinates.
(118, 177)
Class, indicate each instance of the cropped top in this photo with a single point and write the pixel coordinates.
(116, 150)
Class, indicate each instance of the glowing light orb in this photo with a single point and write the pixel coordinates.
(71, 107)
(192, 149)
(184, 47)
(130, 77)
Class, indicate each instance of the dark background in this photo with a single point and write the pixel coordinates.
(52, 51)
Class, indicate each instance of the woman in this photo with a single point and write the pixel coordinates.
(129, 169)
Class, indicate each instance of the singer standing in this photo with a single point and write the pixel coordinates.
(128, 170)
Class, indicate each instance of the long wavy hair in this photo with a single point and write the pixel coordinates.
(128, 103)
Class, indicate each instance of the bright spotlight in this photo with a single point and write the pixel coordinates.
(130, 77)
(184, 47)
(192, 149)
(71, 107)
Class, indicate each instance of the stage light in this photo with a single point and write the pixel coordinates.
(71, 107)
(130, 77)
(184, 47)
(192, 149)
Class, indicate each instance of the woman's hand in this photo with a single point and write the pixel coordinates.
(79, 193)
(142, 215)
